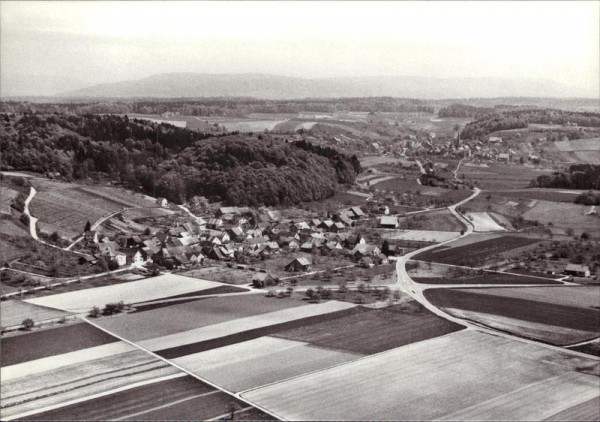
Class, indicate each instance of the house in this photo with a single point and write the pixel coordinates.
(352, 241)
(504, 157)
(326, 225)
(138, 258)
(260, 280)
(232, 210)
(385, 210)
(362, 250)
(337, 227)
(133, 242)
(577, 270)
(388, 222)
(495, 140)
(355, 213)
(299, 264)
(342, 217)
(91, 236)
(162, 202)
(236, 233)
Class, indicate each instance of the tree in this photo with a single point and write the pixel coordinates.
(569, 231)
(88, 227)
(94, 312)
(585, 236)
(385, 247)
(27, 324)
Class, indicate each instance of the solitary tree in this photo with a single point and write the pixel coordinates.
(88, 227)
(27, 324)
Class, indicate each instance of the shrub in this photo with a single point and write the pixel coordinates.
(27, 324)
(113, 308)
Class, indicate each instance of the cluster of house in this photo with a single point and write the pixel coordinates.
(236, 232)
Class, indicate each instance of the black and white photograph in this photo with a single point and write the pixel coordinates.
(299, 210)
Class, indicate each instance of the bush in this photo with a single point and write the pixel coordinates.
(94, 312)
(113, 308)
(27, 324)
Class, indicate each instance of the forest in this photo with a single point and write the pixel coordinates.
(172, 162)
(223, 107)
(579, 176)
(518, 119)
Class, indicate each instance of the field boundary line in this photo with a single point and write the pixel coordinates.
(225, 415)
(93, 396)
(182, 369)
(132, 415)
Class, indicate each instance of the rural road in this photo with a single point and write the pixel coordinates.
(415, 290)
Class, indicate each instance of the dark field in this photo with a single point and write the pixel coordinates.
(486, 278)
(188, 349)
(499, 176)
(370, 331)
(526, 310)
(51, 342)
(474, 253)
(590, 348)
(193, 296)
(129, 402)
(544, 195)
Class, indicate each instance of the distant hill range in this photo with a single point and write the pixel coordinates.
(189, 85)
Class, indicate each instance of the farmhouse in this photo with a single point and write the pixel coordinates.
(388, 222)
(504, 157)
(495, 140)
(577, 270)
(299, 264)
(162, 202)
(263, 280)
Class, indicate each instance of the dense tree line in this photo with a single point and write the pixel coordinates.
(225, 107)
(518, 119)
(461, 110)
(580, 176)
(173, 162)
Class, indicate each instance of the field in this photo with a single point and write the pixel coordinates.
(563, 216)
(461, 376)
(421, 235)
(554, 195)
(33, 392)
(6, 197)
(438, 220)
(336, 202)
(482, 222)
(384, 274)
(369, 331)
(474, 253)
(51, 342)
(260, 361)
(560, 324)
(180, 318)
(67, 207)
(485, 278)
(162, 400)
(499, 176)
(13, 312)
(131, 292)
(222, 274)
(579, 150)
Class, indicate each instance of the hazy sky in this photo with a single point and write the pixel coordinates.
(108, 41)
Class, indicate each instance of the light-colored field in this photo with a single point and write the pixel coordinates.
(422, 235)
(131, 292)
(578, 296)
(482, 222)
(13, 312)
(466, 371)
(563, 216)
(261, 361)
(49, 363)
(534, 330)
(242, 324)
(474, 238)
(592, 144)
(79, 380)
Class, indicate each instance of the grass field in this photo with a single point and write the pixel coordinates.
(13, 312)
(438, 221)
(260, 361)
(485, 278)
(421, 235)
(179, 318)
(369, 331)
(500, 176)
(564, 216)
(60, 385)
(222, 274)
(6, 197)
(130, 292)
(157, 397)
(554, 195)
(51, 342)
(526, 317)
(474, 253)
(464, 372)
(482, 222)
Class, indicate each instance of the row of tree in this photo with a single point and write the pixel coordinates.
(580, 176)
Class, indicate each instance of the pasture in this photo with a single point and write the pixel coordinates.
(501, 176)
(130, 292)
(483, 222)
(442, 220)
(534, 318)
(6, 197)
(459, 376)
(261, 361)
(474, 253)
(564, 216)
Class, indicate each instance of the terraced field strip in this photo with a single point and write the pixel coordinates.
(260, 361)
(51, 342)
(72, 382)
(428, 380)
(196, 314)
(128, 402)
(372, 331)
(194, 341)
(131, 292)
(523, 311)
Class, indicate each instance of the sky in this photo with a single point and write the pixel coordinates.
(93, 41)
